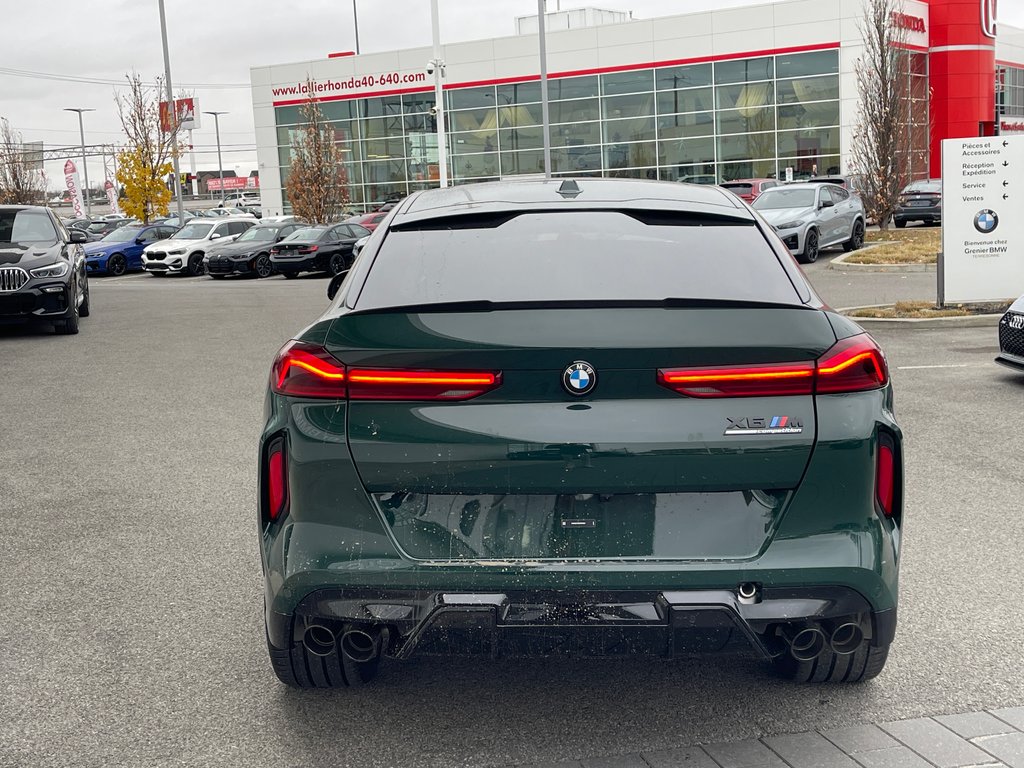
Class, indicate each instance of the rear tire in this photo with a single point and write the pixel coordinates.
(856, 237)
(899, 224)
(299, 668)
(863, 664)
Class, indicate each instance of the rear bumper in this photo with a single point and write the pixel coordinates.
(599, 623)
(291, 265)
(918, 214)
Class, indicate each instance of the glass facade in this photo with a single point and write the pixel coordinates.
(706, 123)
(1009, 91)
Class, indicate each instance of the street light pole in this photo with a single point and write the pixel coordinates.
(437, 64)
(85, 163)
(171, 111)
(355, 23)
(220, 165)
(545, 115)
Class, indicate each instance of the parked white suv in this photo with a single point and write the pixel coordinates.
(240, 198)
(183, 252)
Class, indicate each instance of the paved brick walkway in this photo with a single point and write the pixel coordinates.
(993, 739)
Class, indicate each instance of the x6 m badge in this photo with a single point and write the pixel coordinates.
(770, 425)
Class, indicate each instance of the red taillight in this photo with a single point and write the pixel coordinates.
(885, 477)
(308, 370)
(386, 384)
(309, 249)
(851, 365)
(277, 480)
(741, 381)
(854, 364)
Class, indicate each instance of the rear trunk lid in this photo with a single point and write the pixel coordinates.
(632, 469)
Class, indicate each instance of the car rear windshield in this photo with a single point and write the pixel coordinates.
(923, 186)
(576, 256)
(739, 189)
(25, 227)
(306, 233)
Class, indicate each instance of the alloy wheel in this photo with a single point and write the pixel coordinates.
(263, 266)
(116, 265)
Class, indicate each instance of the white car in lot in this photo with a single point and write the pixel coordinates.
(239, 199)
(183, 253)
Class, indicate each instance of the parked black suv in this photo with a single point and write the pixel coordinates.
(42, 269)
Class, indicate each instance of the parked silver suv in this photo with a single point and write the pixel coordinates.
(809, 217)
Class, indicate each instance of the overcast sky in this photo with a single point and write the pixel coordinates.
(215, 43)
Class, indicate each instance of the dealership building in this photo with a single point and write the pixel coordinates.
(765, 90)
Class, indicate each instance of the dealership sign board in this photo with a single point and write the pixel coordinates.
(74, 187)
(982, 230)
(188, 117)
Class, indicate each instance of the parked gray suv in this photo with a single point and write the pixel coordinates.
(809, 217)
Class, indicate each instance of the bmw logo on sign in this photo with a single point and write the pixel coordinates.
(986, 221)
(579, 378)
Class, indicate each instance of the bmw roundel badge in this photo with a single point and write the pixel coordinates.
(579, 378)
(986, 221)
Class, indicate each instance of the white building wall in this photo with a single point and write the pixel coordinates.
(756, 28)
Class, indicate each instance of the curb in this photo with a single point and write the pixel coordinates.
(840, 262)
(970, 321)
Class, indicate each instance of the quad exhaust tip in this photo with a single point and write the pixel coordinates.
(359, 645)
(319, 640)
(807, 644)
(846, 638)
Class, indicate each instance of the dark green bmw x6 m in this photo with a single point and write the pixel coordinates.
(590, 416)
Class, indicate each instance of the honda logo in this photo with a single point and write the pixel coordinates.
(988, 18)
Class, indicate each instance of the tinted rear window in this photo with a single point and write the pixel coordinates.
(739, 189)
(575, 256)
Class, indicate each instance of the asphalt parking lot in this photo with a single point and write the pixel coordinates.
(131, 608)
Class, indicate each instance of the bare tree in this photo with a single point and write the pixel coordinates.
(315, 183)
(20, 183)
(882, 142)
(151, 143)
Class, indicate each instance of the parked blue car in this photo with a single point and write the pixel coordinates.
(121, 250)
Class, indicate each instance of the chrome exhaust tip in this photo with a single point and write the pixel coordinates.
(747, 591)
(319, 640)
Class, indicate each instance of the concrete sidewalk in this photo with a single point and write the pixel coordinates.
(993, 739)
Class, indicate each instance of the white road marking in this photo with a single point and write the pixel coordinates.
(923, 367)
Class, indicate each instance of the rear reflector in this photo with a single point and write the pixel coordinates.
(309, 370)
(885, 477)
(277, 480)
(851, 365)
